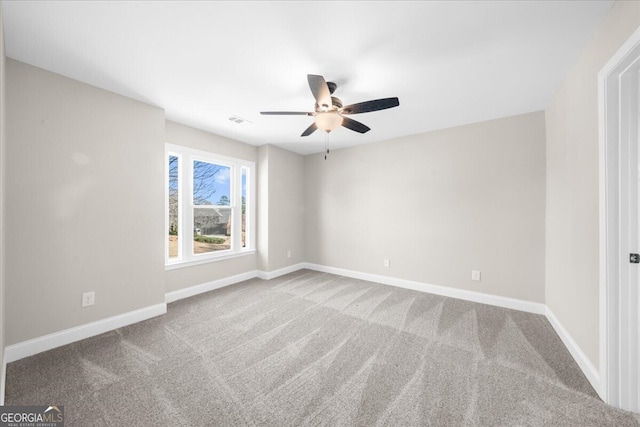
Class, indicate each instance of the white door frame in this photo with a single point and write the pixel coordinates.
(619, 294)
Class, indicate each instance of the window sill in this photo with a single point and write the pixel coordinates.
(193, 262)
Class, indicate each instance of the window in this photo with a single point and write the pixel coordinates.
(209, 206)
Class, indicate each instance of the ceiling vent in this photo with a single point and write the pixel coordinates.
(238, 120)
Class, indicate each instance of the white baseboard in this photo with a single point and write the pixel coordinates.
(209, 286)
(268, 275)
(38, 345)
(581, 359)
(512, 303)
(226, 281)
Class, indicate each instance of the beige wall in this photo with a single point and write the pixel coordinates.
(572, 237)
(286, 208)
(186, 277)
(178, 134)
(262, 243)
(85, 185)
(437, 205)
(281, 208)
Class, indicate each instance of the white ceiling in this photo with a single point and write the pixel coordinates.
(449, 62)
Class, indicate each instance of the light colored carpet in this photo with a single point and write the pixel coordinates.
(311, 348)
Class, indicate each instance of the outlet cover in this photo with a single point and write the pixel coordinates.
(88, 299)
(387, 263)
(475, 275)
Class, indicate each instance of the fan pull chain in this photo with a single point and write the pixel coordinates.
(326, 145)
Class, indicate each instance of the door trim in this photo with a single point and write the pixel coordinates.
(613, 79)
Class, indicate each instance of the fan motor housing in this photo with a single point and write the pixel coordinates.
(336, 104)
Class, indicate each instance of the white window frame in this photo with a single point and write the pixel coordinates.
(186, 157)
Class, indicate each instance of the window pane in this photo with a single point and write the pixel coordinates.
(211, 184)
(244, 207)
(209, 206)
(173, 206)
(211, 229)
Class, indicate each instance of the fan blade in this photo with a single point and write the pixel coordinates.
(354, 125)
(320, 90)
(368, 106)
(286, 113)
(311, 129)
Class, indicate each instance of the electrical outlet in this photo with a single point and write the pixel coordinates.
(88, 298)
(289, 254)
(387, 263)
(475, 275)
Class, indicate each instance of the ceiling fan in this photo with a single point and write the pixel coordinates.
(329, 112)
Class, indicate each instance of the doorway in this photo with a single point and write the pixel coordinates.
(619, 90)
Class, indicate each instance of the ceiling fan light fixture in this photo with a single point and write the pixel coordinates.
(330, 113)
(328, 121)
